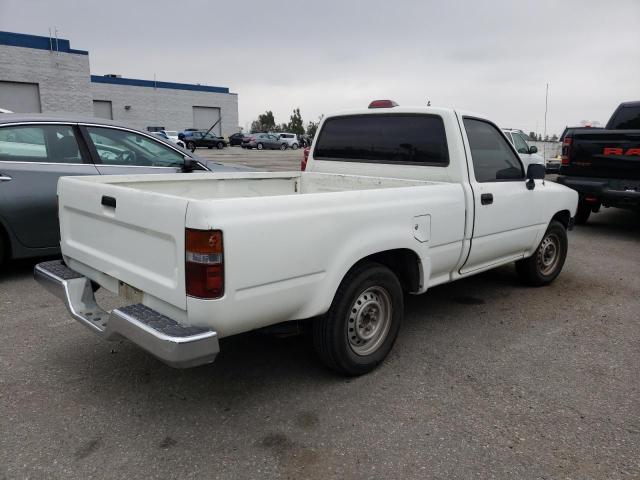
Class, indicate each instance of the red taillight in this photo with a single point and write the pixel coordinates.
(383, 104)
(566, 149)
(204, 263)
(305, 158)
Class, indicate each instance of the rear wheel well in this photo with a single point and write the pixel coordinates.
(404, 263)
(564, 217)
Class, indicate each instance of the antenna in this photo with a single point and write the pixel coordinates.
(546, 107)
(56, 31)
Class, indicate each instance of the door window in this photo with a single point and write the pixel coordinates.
(492, 156)
(39, 143)
(520, 144)
(122, 147)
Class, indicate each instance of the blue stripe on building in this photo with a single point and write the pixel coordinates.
(153, 84)
(38, 42)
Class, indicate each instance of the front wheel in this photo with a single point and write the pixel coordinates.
(220, 145)
(546, 263)
(283, 146)
(259, 146)
(358, 331)
(191, 146)
(294, 146)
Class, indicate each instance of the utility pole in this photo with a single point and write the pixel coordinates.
(546, 107)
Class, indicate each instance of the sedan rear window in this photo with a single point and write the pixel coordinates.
(412, 139)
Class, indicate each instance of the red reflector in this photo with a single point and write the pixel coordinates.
(305, 158)
(590, 198)
(566, 149)
(204, 263)
(383, 104)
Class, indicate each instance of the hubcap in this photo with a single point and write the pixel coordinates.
(369, 320)
(548, 254)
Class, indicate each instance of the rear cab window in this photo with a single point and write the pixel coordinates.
(626, 118)
(409, 139)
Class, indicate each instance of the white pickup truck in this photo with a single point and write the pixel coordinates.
(393, 200)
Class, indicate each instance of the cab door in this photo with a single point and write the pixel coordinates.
(32, 159)
(507, 216)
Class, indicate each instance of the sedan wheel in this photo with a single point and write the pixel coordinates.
(283, 146)
(259, 146)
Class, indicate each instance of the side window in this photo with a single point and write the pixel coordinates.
(520, 144)
(41, 143)
(122, 147)
(493, 159)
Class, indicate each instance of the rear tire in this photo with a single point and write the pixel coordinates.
(294, 146)
(547, 261)
(583, 213)
(283, 146)
(3, 249)
(220, 145)
(359, 330)
(191, 146)
(259, 146)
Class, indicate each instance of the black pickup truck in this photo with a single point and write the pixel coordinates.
(603, 165)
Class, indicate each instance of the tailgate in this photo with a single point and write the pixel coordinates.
(139, 241)
(605, 154)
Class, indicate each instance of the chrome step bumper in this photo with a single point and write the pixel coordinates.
(174, 344)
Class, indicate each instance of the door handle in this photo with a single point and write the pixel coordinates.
(5, 178)
(486, 198)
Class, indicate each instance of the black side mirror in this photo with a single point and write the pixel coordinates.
(189, 165)
(535, 171)
(533, 149)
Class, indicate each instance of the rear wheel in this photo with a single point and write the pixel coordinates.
(220, 145)
(546, 263)
(294, 146)
(359, 330)
(191, 146)
(583, 213)
(259, 146)
(283, 146)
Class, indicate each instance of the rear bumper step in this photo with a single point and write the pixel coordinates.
(174, 344)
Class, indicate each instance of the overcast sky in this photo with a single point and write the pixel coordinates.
(490, 57)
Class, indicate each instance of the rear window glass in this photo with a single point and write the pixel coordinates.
(627, 118)
(394, 138)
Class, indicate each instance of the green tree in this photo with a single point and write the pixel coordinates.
(295, 123)
(554, 138)
(265, 123)
(532, 136)
(312, 127)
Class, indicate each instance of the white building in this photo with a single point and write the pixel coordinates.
(42, 74)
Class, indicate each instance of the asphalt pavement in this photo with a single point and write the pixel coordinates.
(488, 379)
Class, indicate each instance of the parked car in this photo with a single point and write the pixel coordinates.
(4, 110)
(261, 141)
(196, 138)
(290, 140)
(236, 139)
(36, 150)
(528, 154)
(394, 200)
(162, 134)
(171, 135)
(603, 165)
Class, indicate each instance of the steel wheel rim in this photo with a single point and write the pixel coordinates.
(369, 320)
(549, 254)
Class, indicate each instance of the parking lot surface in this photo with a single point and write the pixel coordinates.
(274, 160)
(488, 379)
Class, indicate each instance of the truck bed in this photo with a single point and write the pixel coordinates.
(284, 233)
(259, 184)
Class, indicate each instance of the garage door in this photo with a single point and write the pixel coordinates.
(20, 97)
(204, 117)
(102, 109)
